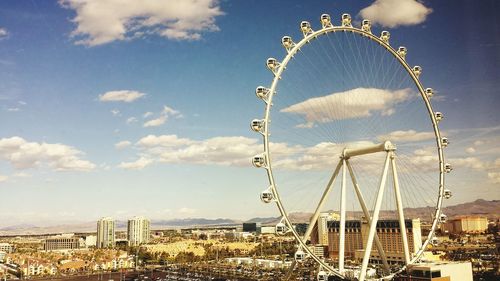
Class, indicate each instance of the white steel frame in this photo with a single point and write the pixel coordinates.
(346, 167)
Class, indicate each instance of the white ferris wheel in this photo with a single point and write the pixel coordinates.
(349, 129)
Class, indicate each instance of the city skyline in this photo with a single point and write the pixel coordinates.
(147, 113)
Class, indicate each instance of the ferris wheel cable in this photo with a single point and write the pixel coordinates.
(331, 64)
(420, 196)
(311, 77)
(414, 186)
(318, 74)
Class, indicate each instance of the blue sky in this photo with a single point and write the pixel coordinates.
(70, 145)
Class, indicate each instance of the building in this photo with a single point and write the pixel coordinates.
(90, 241)
(439, 271)
(388, 231)
(322, 225)
(38, 268)
(319, 250)
(252, 227)
(6, 247)
(465, 224)
(106, 233)
(138, 231)
(267, 230)
(259, 262)
(62, 242)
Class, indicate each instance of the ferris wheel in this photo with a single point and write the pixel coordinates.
(355, 137)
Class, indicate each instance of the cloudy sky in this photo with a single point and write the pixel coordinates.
(112, 109)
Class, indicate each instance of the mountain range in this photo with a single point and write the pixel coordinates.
(490, 209)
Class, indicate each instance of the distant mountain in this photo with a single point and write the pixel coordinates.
(263, 220)
(18, 226)
(490, 209)
(192, 222)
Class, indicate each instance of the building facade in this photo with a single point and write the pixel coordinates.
(438, 271)
(105, 233)
(322, 226)
(252, 227)
(138, 231)
(6, 247)
(388, 231)
(61, 243)
(465, 224)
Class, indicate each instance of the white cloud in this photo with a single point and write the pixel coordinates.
(13, 109)
(3, 178)
(469, 162)
(131, 120)
(214, 151)
(355, 103)
(392, 13)
(115, 112)
(122, 144)
(139, 164)
(470, 150)
(494, 177)
(147, 114)
(156, 122)
(164, 115)
(22, 175)
(122, 95)
(105, 21)
(151, 141)
(237, 151)
(3, 33)
(406, 136)
(22, 155)
(171, 112)
(186, 211)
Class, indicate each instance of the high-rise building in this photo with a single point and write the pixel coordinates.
(388, 231)
(105, 233)
(138, 231)
(322, 224)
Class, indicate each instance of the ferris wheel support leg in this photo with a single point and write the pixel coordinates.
(373, 226)
(361, 200)
(399, 204)
(342, 217)
(322, 201)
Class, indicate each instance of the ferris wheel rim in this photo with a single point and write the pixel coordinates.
(291, 52)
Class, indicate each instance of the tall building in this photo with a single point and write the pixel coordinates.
(322, 224)
(388, 231)
(105, 233)
(138, 231)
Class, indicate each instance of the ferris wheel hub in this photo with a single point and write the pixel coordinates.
(385, 146)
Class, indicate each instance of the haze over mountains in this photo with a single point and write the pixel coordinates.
(490, 209)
